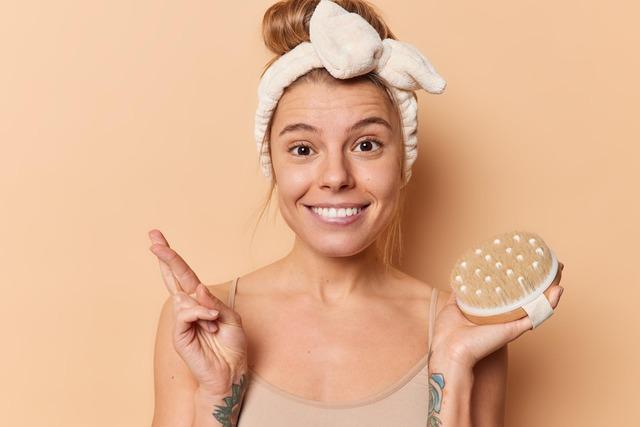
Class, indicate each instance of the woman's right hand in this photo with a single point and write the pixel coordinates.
(213, 346)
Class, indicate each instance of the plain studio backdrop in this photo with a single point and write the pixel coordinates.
(117, 117)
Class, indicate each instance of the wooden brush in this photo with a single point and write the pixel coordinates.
(506, 278)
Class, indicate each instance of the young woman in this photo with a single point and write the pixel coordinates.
(333, 334)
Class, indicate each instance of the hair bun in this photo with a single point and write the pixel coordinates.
(286, 23)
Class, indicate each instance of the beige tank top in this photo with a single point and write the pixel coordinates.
(403, 403)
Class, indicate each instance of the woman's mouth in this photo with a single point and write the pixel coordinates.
(338, 215)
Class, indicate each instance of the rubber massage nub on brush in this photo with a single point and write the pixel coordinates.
(506, 278)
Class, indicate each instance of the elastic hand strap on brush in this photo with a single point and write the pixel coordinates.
(538, 310)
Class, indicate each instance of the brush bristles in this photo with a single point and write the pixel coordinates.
(501, 270)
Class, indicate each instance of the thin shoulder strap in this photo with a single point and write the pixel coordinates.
(232, 293)
(432, 313)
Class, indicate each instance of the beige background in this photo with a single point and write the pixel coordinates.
(120, 116)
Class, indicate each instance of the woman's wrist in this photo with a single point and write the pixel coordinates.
(215, 409)
(450, 388)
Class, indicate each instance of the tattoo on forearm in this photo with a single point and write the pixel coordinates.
(436, 386)
(227, 414)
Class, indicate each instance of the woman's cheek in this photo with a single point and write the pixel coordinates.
(293, 184)
(385, 189)
(381, 179)
(294, 181)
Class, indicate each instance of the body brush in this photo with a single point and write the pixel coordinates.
(506, 278)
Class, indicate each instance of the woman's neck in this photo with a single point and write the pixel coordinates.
(332, 280)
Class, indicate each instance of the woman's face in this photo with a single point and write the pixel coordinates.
(336, 152)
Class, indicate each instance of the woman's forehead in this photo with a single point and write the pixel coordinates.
(319, 101)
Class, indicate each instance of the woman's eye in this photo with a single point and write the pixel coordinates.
(368, 145)
(300, 150)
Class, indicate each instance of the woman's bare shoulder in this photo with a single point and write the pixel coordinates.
(422, 286)
(221, 290)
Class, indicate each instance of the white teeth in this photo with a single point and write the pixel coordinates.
(336, 213)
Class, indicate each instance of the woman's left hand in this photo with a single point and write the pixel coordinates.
(465, 343)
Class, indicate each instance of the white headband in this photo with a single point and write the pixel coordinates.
(347, 46)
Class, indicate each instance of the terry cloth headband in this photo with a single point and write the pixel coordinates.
(347, 46)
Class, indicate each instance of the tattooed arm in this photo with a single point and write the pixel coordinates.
(450, 388)
(219, 411)
(179, 402)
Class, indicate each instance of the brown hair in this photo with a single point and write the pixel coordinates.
(285, 25)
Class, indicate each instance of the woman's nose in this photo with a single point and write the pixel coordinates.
(335, 172)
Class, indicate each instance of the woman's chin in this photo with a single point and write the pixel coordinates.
(338, 248)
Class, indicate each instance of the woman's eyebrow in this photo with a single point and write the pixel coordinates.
(359, 124)
(297, 126)
(370, 120)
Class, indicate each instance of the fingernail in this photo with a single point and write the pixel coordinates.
(213, 312)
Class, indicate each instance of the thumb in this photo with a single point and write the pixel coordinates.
(207, 299)
(496, 335)
(518, 327)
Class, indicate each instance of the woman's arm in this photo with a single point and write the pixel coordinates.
(488, 393)
(179, 402)
(490, 390)
(458, 346)
(450, 388)
(459, 396)
(217, 411)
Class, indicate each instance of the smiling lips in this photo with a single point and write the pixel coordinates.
(342, 214)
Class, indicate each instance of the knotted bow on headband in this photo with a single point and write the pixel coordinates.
(347, 46)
